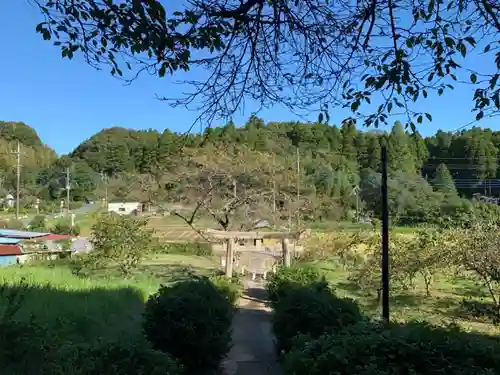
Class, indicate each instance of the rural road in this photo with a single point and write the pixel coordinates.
(253, 342)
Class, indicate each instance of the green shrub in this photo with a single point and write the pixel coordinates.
(188, 248)
(287, 278)
(38, 223)
(64, 227)
(16, 224)
(414, 348)
(22, 348)
(232, 289)
(311, 310)
(190, 320)
(113, 358)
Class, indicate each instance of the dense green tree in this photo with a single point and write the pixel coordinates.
(443, 181)
(402, 157)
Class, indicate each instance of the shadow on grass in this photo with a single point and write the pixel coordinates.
(470, 291)
(164, 273)
(174, 272)
(39, 321)
(255, 294)
(349, 287)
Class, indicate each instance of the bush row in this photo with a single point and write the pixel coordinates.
(186, 326)
(319, 333)
(381, 349)
(303, 303)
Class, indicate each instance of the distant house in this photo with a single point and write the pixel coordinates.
(10, 254)
(125, 208)
(8, 201)
(17, 246)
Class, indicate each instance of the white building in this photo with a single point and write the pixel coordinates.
(9, 200)
(125, 208)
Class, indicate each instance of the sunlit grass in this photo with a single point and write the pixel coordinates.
(441, 307)
(102, 305)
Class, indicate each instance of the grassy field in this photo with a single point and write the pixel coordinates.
(105, 305)
(101, 306)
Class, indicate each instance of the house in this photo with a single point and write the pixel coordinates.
(10, 254)
(125, 208)
(18, 246)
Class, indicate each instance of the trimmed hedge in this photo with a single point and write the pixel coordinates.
(377, 349)
(311, 310)
(289, 278)
(190, 320)
(28, 349)
(117, 358)
(303, 303)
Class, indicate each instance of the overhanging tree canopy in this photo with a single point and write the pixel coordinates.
(375, 57)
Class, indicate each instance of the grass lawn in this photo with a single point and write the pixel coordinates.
(442, 307)
(98, 307)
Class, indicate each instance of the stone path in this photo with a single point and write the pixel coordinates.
(253, 342)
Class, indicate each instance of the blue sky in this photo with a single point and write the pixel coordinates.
(68, 101)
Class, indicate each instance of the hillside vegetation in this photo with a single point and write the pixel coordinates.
(255, 166)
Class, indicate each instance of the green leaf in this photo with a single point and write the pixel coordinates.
(480, 115)
(449, 42)
(462, 49)
(162, 71)
(429, 117)
(473, 78)
(420, 119)
(470, 40)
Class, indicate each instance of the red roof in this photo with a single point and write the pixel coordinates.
(53, 237)
(10, 250)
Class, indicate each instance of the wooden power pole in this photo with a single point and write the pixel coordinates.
(68, 187)
(18, 177)
(298, 188)
(385, 236)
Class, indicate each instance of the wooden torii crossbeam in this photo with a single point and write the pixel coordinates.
(230, 237)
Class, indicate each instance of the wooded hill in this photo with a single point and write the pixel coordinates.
(429, 177)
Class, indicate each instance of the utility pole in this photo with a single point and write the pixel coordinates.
(355, 191)
(104, 179)
(274, 184)
(385, 236)
(68, 187)
(18, 176)
(298, 188)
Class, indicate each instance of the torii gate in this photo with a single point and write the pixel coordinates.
(231, 239)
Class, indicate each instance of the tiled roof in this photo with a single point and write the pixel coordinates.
(10, 250)
(53, 237)
(9, 241)
(20, 234)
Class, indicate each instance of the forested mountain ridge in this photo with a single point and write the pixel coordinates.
(427, 174)
(35, 156)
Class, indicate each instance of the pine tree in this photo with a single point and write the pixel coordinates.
(443, 181)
